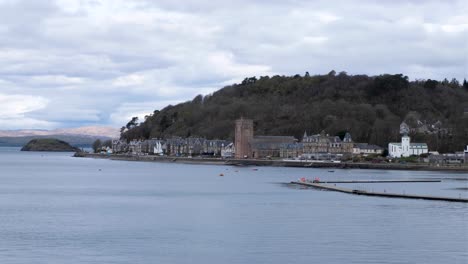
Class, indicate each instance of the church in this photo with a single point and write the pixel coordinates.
(406, 148)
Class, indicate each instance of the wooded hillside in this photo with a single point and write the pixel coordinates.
(371, 108)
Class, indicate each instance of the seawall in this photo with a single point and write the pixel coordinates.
(279, 163)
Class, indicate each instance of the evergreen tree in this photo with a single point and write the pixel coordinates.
(97, 145)
(371, 108)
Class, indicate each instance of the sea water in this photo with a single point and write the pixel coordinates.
(58, 209)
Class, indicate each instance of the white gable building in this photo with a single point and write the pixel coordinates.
(158, 148)
(466, 154)
(406, 148)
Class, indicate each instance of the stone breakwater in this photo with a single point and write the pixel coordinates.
(278, 163)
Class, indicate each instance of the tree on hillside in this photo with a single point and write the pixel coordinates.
(107, 143)
(97, 144)
(132, 123)
(369, 107)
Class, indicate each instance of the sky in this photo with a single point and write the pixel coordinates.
(72, 63)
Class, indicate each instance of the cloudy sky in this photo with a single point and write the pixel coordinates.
(69, 63)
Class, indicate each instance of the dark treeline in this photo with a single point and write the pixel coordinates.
(370, 108)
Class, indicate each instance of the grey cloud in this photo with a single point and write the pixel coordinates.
(100, 61)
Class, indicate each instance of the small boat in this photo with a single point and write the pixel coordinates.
(221, 174)
(331, 171)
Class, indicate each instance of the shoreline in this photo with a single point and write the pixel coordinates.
(278, 163)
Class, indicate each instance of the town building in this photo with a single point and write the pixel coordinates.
(269, 146)
(135, 147)
(175, 146)
(466, 154)
(249, 146)
(447, 158)
(158, 147)
(228, 151)
(119, 146)
(244, 131)
(214, 147)
(406, 148)
(323, 143)
(291, 150)
(367, 149)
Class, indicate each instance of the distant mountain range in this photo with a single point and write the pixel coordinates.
(79, 137)
(95, 131)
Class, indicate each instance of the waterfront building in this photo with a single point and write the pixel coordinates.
(244, 131)
(323, 143)
(249, 146)
(321, 156)
(214, 147)
(158, 147)
(135, 147)
(228, 151)
(466, 154)
(175, 146)
(367, 149)
(193, 146)
(291, 150)
(269, 146)
(147, 146)
(119, 146)
(406, 148)
(447, 158)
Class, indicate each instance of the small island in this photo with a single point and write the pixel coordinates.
(49, 144)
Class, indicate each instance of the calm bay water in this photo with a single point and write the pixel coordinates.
(59, 209)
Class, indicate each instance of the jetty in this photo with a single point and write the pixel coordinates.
(381, 181)
(322, 186)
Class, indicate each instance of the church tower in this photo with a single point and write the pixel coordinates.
(466, 154)
(405, 139)
(405, 146)
(243, 138)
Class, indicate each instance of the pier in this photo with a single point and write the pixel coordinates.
(319, 185)
(380, 181)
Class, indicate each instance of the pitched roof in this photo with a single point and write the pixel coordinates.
(367, 146)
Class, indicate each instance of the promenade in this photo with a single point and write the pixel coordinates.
(279, 163)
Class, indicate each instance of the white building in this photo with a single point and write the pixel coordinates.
(228, 151)
(466, 154)
(406, 148)
(366, 149)
(158, 148)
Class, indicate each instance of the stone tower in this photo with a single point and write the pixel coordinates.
(243, 138)
(347, 144)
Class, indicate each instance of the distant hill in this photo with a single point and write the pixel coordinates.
(92, 131)
(370, 107)
(75, 140)
(49, 144)
(80, 137)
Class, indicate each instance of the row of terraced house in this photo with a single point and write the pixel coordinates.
(246, 145)
(175, 146)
